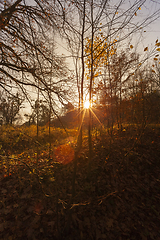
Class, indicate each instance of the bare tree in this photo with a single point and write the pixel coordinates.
(83, 20)
(26, 36)
(10, 106)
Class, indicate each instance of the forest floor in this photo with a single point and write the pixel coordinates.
(117, 195)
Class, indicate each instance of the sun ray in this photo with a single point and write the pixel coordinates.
(86, 106)
(81, 122)
(97, 118)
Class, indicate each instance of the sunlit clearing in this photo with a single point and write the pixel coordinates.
(86, 104)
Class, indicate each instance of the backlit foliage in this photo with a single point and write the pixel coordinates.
(102, 50)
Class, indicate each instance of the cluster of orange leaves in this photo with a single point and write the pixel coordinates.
(102, 50)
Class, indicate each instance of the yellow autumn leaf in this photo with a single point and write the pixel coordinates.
(146, 49)
(153, 71)
(155, 59)
(96, 75)
(158, 49)
(153, 65)
(116, 12)
(131, 46)
(157, 41)
(158, 44)
(135, 14)
(139, 8)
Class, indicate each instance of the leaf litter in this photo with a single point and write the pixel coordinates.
(118, 200)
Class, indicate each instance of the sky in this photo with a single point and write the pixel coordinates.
(153, 30)
(144, 38)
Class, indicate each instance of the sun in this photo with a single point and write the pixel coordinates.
(86, 104)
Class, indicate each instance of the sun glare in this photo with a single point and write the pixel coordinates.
(86, 104)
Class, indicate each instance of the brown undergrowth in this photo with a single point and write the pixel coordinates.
(117, 199)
